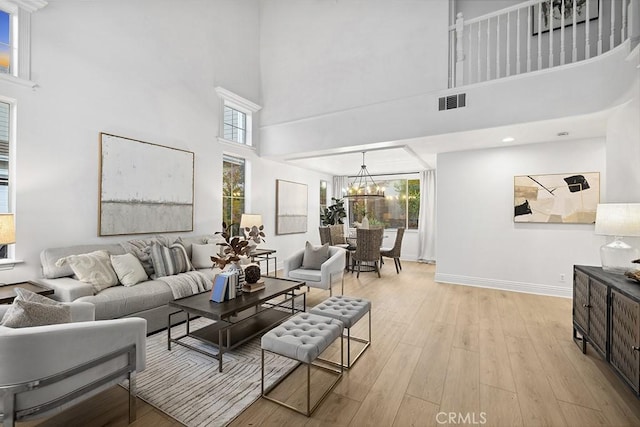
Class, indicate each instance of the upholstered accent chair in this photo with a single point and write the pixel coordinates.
(46, 369)
(329, 272)
(394, 252)
(337, 236)
(367, 249)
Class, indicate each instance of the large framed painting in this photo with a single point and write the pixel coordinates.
(557, 198)
(549, 13)
(291, 207)
(144, 187)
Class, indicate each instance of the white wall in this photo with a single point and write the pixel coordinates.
(143, 69)
(478, 242)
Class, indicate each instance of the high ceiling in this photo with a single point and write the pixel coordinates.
(421, 153)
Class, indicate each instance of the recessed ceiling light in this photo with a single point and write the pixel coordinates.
(508, 139)
(563, 133)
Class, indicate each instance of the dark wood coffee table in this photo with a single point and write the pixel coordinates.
(7, 294)
(240, 319)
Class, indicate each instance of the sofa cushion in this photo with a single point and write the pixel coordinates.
(201, 255)
(315, 256)
(94, 268)
(49, 257)
(305, 275)
(128, 269)
(171, 260)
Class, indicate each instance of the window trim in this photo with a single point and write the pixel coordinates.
(243, 105)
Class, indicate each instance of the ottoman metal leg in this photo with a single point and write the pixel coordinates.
(309, 409)
(367, 343)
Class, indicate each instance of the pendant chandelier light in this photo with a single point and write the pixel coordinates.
(363, 185)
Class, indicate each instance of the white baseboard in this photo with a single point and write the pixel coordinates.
(505, 285)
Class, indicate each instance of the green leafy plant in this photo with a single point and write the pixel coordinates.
(333, 214)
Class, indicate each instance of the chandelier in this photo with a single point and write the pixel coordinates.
(363, 185)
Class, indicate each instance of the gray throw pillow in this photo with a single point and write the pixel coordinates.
(314, 256)
(171, 260)
(94, 268)
(24, 314)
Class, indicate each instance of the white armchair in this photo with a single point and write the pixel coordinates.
(331, 271)
(46, 369)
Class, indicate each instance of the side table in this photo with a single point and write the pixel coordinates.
(7, 294)
(259, 255)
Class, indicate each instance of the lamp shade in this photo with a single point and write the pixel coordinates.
(7, 229)
(618, 219)
(250, 220)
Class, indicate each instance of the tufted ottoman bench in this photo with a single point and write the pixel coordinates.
(348, 310)
(302, 338)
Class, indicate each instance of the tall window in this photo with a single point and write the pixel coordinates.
(5, 42)
(323, 197)
(233, 190)
(235, 125)
(399, 208)
(4, 165)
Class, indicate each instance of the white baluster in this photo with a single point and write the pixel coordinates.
(479, 75)
(600, 19)
(459, 50)
(469, 73)
(574, 51)
(562, 23)
(529, 39)
(488, 50)
(623, 30)
(498, 47)
(540, 36)
(508, 51)
(587, 42)
(518, 42)
(612, 37)
(550, 33)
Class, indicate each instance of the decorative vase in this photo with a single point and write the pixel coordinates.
(252, 273)
(235, 266)
(365, 223)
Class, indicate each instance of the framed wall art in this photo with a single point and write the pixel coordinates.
(144, 187)
(291, 207)
(557, 198)
(549, 13)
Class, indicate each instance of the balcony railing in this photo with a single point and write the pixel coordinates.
(536, 35)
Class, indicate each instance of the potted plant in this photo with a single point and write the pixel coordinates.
(333, 214)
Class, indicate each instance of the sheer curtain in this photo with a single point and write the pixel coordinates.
(427, 220)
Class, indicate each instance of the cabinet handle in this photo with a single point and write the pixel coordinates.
(586, 305)
(634, 348)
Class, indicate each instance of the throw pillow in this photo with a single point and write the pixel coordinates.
(314, 256)
(93, 268)
(27, 295)
(23, 314)
(201, 255)
(128, 269)
(140, 248)
(171, 260)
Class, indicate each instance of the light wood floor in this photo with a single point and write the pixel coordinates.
(487, 357)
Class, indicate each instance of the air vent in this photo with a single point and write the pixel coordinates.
(452, 101)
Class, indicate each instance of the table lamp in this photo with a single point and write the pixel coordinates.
(618, 220)
(249, 221)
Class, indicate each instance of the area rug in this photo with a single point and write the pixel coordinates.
(187, 386)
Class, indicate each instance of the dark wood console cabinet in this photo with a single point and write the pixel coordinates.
(606, 313)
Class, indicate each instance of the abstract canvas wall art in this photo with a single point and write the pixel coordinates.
(291, 207)
(144, 187)
(557, 198)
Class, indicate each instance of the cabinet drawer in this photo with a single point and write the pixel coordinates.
(625, 338)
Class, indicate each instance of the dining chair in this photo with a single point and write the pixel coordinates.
(368, 248)
(394, 252)
(325, 235)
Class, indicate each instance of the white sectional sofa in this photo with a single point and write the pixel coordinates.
(147, 299)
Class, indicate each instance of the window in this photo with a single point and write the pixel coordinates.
(4, 165)
(5, 42)
(233, 191)
(399, 208)
(323, 197)
(235, 125)
(237, 115)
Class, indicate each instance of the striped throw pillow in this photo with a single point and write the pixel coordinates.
(171, 260)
